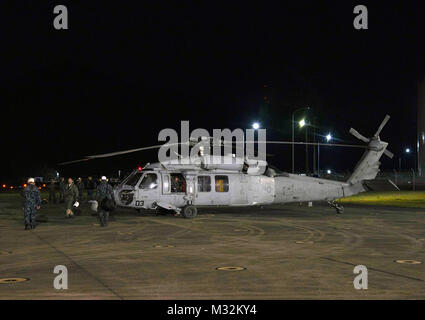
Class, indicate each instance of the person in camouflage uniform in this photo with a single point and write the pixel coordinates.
(71, 195)
(104, 193)
(52, 191)
(32, 203)
(62, 186)
(80, 186)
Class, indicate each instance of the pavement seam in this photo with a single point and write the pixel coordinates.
(377, 270)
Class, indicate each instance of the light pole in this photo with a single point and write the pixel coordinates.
(293, 120)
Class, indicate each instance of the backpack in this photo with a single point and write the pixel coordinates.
(107, 204)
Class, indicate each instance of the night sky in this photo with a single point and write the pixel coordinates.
(125, 70)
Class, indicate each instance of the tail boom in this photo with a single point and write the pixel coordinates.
(368, 166)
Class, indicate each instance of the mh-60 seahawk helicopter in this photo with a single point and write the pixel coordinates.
(181, 188)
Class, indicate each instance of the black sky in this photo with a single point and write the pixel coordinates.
(125, 70)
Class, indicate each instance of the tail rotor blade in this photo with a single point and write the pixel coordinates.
(384, 122)
(355, 133)
(389, 154)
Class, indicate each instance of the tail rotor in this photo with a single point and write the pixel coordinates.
(374, 142)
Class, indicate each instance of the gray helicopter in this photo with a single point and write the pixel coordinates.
(181, 188)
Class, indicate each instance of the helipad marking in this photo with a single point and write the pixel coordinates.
(230, 268)
(408, 261)
(12, 280)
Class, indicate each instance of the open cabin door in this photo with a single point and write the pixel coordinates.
(174, 188)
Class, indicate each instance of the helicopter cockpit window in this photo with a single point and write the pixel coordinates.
(149, 182)
(132, 181)
(178, 182)
(221, 183)
(204, 183)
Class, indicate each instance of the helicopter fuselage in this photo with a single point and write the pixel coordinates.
(175, 189)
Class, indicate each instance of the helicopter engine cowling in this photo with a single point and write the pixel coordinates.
(256, 167)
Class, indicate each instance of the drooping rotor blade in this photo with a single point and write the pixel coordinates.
(106, 155)
(355, 133)
(389, 154)
(73, 161)
(383, 123)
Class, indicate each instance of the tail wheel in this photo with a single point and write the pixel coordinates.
(189, 212)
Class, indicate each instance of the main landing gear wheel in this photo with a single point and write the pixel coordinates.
(189, 212)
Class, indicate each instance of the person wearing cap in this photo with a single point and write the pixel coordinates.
(105, 199)
(71, 196)
(32, 203)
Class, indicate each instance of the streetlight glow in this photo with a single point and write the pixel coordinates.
(407, 150)
(302, 123)
(328, 137)
(256, 126)
(329, 171)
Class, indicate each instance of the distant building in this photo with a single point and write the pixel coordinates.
(420, 145)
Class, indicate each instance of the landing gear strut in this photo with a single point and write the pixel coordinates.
(339, 208)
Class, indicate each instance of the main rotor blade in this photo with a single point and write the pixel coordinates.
(112, 154)
(355, 133)
(383, 123)
(73, 161)
(317, 144)
(106, 155)
(304, 143)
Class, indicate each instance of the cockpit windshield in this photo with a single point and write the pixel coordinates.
(133, 179)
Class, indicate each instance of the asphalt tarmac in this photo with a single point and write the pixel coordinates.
(277, 252)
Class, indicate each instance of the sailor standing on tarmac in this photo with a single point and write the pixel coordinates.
(71, 197)
(105, 199)
(32, 203)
